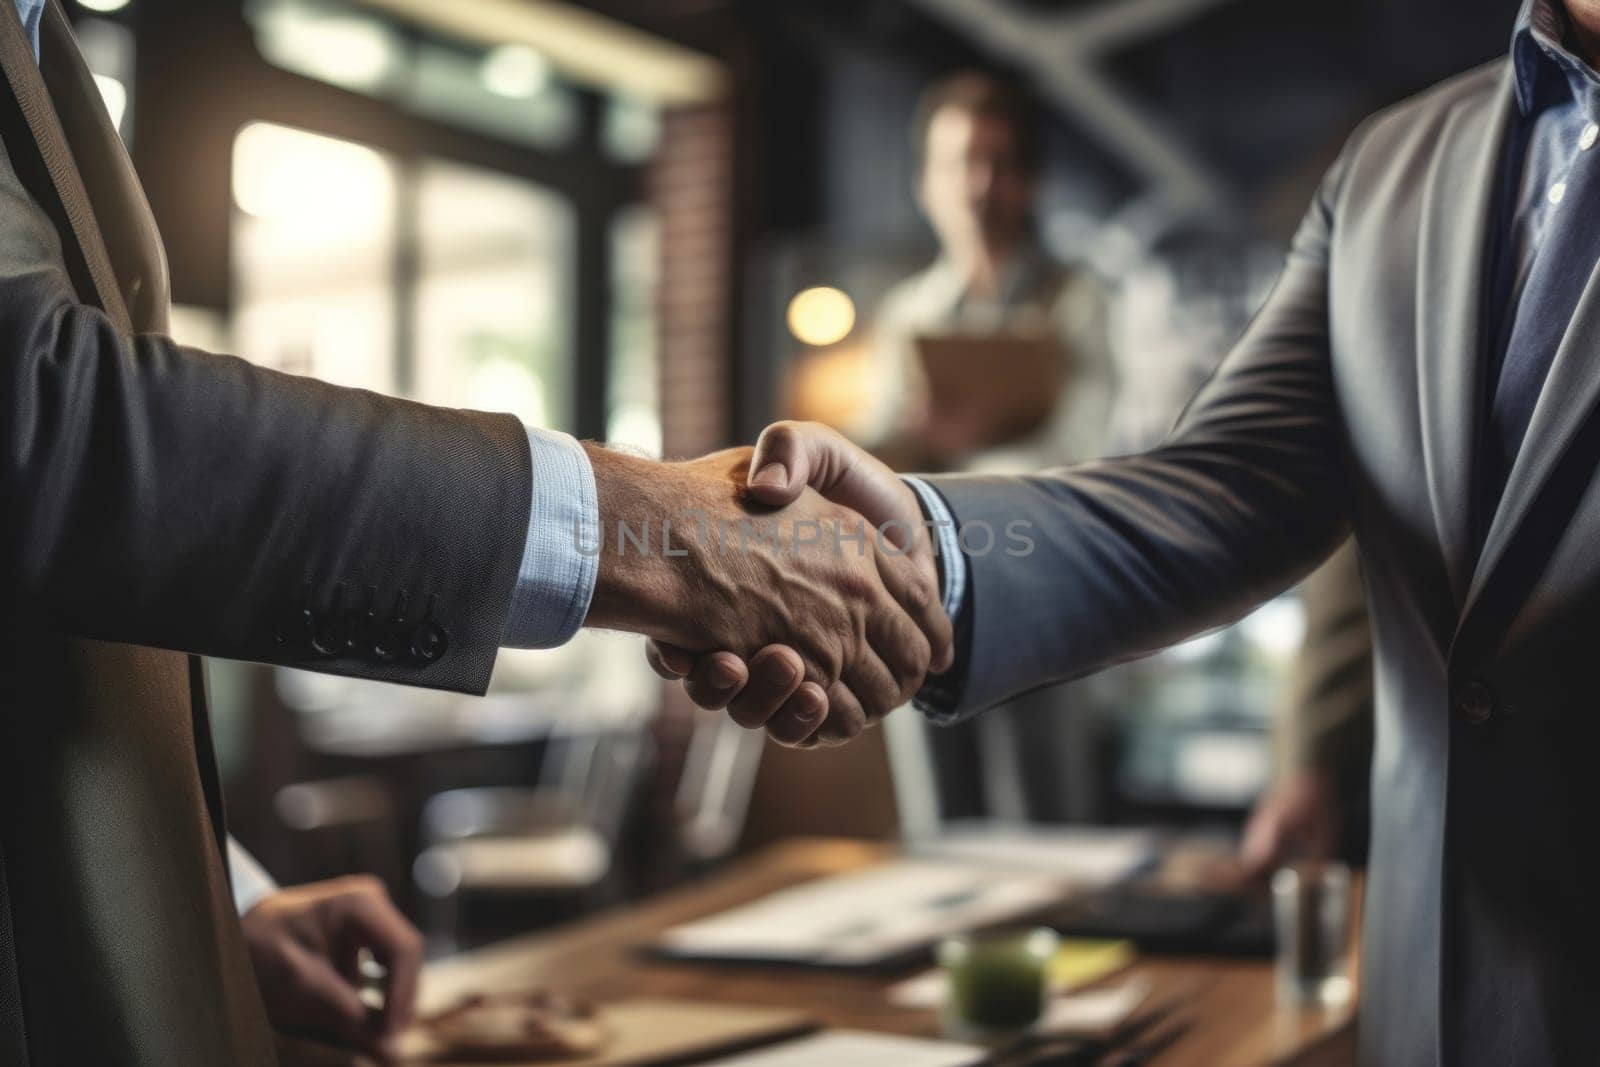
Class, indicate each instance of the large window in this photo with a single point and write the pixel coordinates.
(633, 408)
(505, 91)
(314, 250)
(435, 280)
(493, 295)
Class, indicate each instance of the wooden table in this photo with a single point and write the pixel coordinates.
(1235, 1019)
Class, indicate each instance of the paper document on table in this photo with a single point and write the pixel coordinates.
(851, 1048)
(867, 917)
(1089, 857)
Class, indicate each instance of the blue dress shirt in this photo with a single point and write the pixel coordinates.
(1546, 237)
(31, 11)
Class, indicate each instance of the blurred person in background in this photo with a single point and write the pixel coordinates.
(977, 140)
(977, 143)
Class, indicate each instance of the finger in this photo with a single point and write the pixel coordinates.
(792, 455)
(324, 1002)
(678, 660)
(652, 656)
(775, 673)
(876, 690)
(904, 652)
(846, 715)
(780, 467)
(370, 920)
(716, 679)
(1262, 846)
(800, 716)
(915, 587)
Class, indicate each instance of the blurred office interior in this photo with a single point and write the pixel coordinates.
(664, 224)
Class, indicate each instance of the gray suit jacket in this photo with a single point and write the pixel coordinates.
(157, 502)
(1353, 401)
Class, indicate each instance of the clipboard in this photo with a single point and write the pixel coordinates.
(1002, 386)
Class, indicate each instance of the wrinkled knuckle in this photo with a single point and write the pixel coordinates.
(858, 585)
(777, 674)
(919, 597)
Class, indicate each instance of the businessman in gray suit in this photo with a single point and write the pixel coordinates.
(1425, 373)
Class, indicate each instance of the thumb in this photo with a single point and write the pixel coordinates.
(782, 464)
(325, 1003)
(792, 455)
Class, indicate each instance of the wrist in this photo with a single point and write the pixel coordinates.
(652, 568)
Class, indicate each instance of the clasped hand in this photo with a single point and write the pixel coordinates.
(838, 648)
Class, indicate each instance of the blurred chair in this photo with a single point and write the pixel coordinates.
(501, 860)
(339, 825)
(1028, 761)
(713, 794)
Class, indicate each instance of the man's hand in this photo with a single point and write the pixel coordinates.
(1298, 818)
(305, 944)
(790, 461)
(854, 624)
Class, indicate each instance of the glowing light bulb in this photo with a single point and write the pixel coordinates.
(821, 316)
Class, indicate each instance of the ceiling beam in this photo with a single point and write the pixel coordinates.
(1063, 53)
(587, 47)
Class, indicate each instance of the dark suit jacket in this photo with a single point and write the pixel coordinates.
(158, 502)
(1353, 401)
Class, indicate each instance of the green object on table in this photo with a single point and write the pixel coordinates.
(997, 981)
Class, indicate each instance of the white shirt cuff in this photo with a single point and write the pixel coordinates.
(251, 882)
(947, 545)
(561, 558)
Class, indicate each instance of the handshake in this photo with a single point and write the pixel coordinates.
(794, 584)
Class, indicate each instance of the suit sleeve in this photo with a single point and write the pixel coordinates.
(156, 495)
(1074, 570)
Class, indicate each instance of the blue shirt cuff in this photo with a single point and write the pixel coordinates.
(560, 560)
(941, 695)
(251, 882)
(947, 546)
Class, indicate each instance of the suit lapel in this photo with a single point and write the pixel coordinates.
(1566, 404)
(38, 113)
(1457, 213)
(127, 226)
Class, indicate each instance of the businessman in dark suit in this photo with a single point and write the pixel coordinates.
(157, 502)
(1425, 373)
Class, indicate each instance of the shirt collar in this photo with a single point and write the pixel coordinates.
(1546, 70)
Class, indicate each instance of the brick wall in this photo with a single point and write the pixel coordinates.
(691, 186)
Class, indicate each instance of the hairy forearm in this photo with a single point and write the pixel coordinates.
(657, 574)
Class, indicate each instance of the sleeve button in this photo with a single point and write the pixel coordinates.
(388, 647)
(327, 637)
(428, 642)
(1475, 703)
